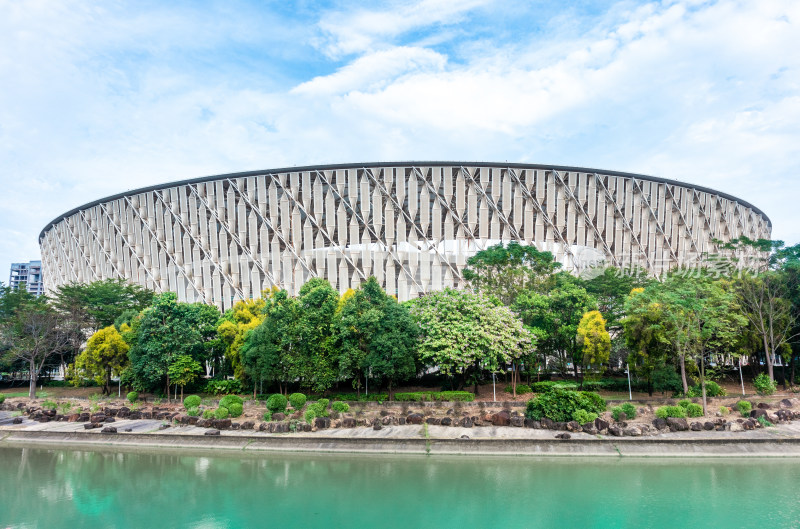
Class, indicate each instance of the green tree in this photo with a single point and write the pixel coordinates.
(240, 319)
(505, 271)
(98, 304)
(184, 370)
(376, 333)
(464, 330)
(106, 354)
(594, 338)
(644, 333)
(316, 364)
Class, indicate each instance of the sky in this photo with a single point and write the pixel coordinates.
(97, 98)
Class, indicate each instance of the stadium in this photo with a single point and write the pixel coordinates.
(412, 225)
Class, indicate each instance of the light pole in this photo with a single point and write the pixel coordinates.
(494, 391)
(628, 371)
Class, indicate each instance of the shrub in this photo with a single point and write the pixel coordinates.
(320, 408)
(221, 413)
(744, 408)
(354, 397)
(235, 409)
(193, 412)
(267, 416)
(522, 389)
(310, 415)
(192, 401)
(723, 410)
(455, 396)
(222, 387)
(671, 411)
(712, 390)
(276, 403)
(340, 407)
(559, 404)
(694, 410)
(549, 385)
(49, 405)
(417, 396)
(666, 379)
(764, 422)
(207, 414)
(2, 398)
(64, 407)
(583, 416)
(228, 400)
(628, 409)
(684, 403)
(763, 384)
(133, 397)
(297, 400)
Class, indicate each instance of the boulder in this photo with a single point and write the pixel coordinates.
(387, 420)
(696, 427)
(749, 424)
(278, 416)
(248, 425)
(16, 420)
(262, 427)
(660, 424)
(708, 425)
(763, 406)
(788, 403)
(377, 426)
(676, 424)
(466, 422)
(574, 426)
(433, 420)
(590, 428)
(211, 432)
(736, 427)
(531, 423)
(384, 413)
(235, 426)
(74, 417)
(134, 415)
(447, 421)
(222, 424)
(401, 421)
(415, 418)
(322, 422)
(601, 424)
(109, 429)
(348, 422)
(518, 421)
(616, 431)
(547, 424)
(622, 417)
(502, 418)
(88, 426)
(632, 431)
(564, 436)
(758, 412)
(128, 430)
(110, 419)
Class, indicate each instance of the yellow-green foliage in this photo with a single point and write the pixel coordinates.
(106, 353)
(241, 318)
(594, 337)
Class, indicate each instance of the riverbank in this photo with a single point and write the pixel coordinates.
(780, 441)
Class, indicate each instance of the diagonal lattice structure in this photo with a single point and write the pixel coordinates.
(413, 226)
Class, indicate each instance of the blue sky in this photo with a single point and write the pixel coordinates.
(101, 97)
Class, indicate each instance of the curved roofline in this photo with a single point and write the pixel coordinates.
(396, 164)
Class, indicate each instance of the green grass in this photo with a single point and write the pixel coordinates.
(39, 394)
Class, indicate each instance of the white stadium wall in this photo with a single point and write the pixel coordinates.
(412, 225)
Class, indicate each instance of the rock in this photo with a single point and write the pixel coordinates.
(759, 412)
(563, 436)
(163, 427)
(788, 403)
(384, 413)
(322, 422)
(109, 429)
(386, 421)
(211, 432)
(192, 420)
(749, 424)
(531, 423)
(574, 426)
(622, 417)
(348, 422)
(466, 422)
(128, 430)
(377, 426)
(763, 406)
(660, 424)
(433, 420)
(16, 420)
(616, 431)
(235, 426)
(222, 424)
(401, 421)
(447, 421)
(415, 418)
(110, 419)
(736, 427)
(676, 424)
(632, 431)
(696, 427)
(562, 426)
(517, 421)
(708, 425)
(278, 416)
(547, 424)
(135, 415)
(502, 418)
(88, 426)
(263, 427)
(248, 425)
(74, 417)
(589, 428)
(601, 424)
(464, 437)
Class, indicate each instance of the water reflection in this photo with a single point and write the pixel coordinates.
(57, 488)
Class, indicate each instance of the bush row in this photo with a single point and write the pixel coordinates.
(560, 405)
(444, 396)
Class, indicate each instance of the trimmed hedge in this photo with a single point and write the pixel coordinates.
(443, 396)
(763, 384)
(522, 389)
(192, 401)
(221, 413)
(227, 400)
(277, 403)
(560, 404)
(297, 400)
(2, 398)
(712, 390)
(235, 409)
(694, 410)
(355, 397)
(744, 407)
(193, 412)
(664, 412)
(319, 408)
(628, 409)
(132, 397)
(549, 385)
(583, 416)
(340, 407)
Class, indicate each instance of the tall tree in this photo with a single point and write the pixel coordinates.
(376, 333)
(106, 354)
(594, 339)
(317, 362)
(32, 335)
(505, 271)
(98, 304)
(462, 331)
(243, 317)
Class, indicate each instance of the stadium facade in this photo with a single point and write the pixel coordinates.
(412, 225)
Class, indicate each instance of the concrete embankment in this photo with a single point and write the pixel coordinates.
(606, 447)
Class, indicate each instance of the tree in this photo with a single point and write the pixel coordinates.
(165, 331)
(32, 335)
(594, 338)
(98, 304)
(644, 332)
(243, 317)
(464, 330)
(316, 363)
(184, 370)
(611, 288)
(553, 317)
(269, 350)
(106, 354)
(375, 333)
(505, 271)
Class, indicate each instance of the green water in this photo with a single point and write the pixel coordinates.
(61, 488)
